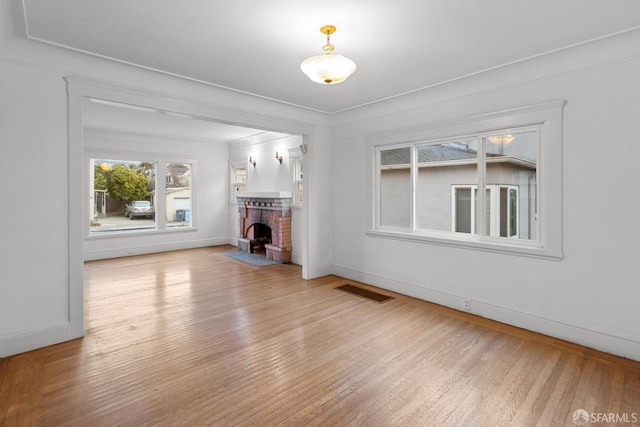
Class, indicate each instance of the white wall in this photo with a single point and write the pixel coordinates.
(591, 296)
(41, 252)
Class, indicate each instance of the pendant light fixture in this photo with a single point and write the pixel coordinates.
(328, 69)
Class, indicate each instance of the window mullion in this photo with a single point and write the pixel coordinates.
(480, 192)
(161, 202)
(377, 193)
(413, 222)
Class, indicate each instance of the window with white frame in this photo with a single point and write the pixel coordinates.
(178, 194)
(297, 181)
(237, 179)
(297, 161)
(125, 195)
(446, 176)
(394, 200)
(428, 189)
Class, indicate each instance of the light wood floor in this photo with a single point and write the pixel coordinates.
(192, 338)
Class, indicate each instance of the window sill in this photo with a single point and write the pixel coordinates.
(472, 244)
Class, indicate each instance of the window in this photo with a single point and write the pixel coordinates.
(237, 179)
(297, 181)
(427, 190)
(439, 167)
(446, 182)
(125, 195)
(297, 160)
(395, 187)
(122, 194)
(178, 194)
(240, 179)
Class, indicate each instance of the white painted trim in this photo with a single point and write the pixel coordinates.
(307, 205)
(472, 125)
(258, 139)
(150, 249)
(27, 340)
(596, 338)
(320, 272)
(94, 134)
(265, 195)
(297, 260)
(117, 92)
(76, 211)
(465, 241)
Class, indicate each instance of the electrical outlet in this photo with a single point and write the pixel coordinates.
(467, 304)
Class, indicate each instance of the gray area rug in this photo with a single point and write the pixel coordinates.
(253, 259)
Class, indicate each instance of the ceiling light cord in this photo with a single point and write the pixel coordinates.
(328, 48)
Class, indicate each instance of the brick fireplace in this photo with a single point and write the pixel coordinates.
(264, 224)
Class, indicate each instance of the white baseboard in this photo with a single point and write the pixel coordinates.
(32, 339)
(296, 259)
(320, 272)
(599, 339)
(150, 249)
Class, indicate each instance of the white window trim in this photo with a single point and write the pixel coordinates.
(234, 164)
(294, 155)
(160, 161)
(546, 116)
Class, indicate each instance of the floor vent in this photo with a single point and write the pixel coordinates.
(370, 295)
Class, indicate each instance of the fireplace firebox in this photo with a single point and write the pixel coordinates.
(260, 236)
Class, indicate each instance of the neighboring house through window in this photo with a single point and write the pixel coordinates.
(429, 188)
(501, 213)
(446, 176)
(178, 194)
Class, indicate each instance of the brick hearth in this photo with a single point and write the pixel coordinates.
(272, 209)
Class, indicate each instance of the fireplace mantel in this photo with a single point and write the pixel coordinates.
(264, 195)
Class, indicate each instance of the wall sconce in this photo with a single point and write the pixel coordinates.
(279, 157)
(252, 161)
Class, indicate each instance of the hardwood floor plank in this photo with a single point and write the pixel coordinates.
(194, 338)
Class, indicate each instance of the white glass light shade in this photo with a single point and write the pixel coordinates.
(328, 69)
(502, 139)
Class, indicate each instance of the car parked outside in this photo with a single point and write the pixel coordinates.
(139, 208)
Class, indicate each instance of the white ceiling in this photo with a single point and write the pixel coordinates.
(256, 46)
